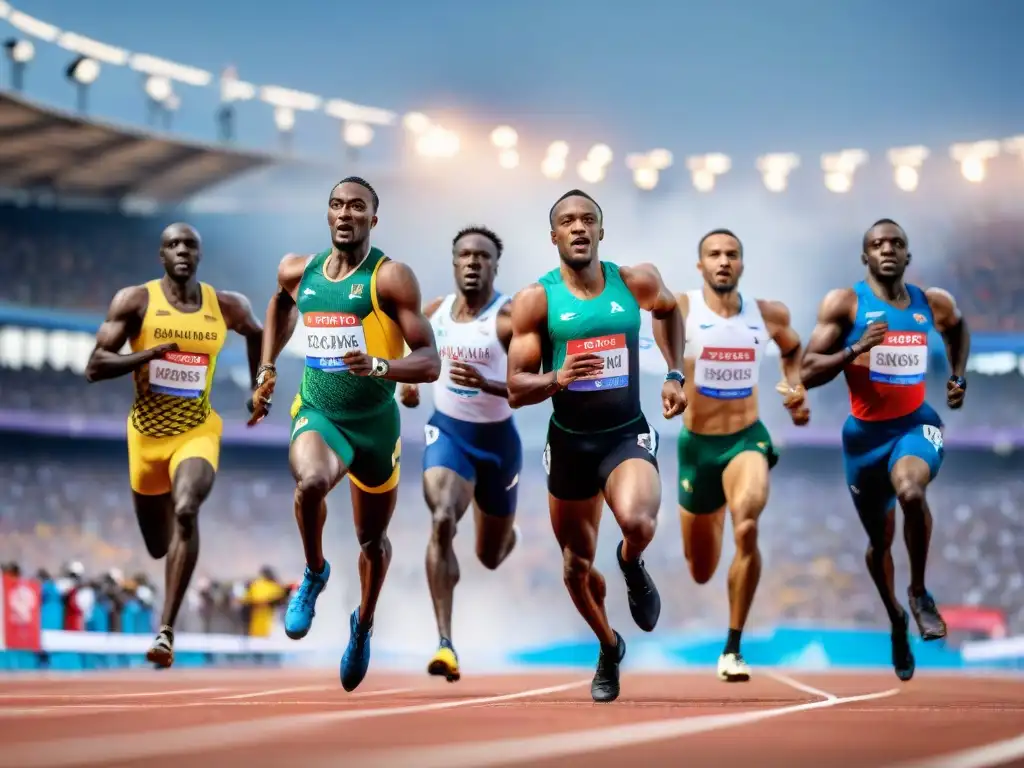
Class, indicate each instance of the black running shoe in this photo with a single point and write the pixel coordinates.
(605, 686)
(902, 656)
(929, 621)
(644, 600)
(161, 652)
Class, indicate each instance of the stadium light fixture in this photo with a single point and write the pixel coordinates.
(83, 72)
(231, 90)
(840, 167)
(284, 120)
(438, 142)
(906, 161)
(775, 169)
(589, 171)
(552, 167)
(705, 169)
(600, 155)
(973, 158)
(504, 137)
(416, 123)
(356, 134)
(20, 53)
(158, 90)
(647, 167)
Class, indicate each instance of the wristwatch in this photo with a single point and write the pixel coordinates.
(380, 367)
(675, 375)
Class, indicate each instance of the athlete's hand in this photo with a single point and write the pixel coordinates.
(795, 402)
(155, 353)
(575, 367)
(262, 396)
(673, 399)
(955, 393)
(409, 395)
(873, 336)
(359, 363)
(465, 375)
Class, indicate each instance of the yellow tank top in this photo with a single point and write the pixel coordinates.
(172, 394)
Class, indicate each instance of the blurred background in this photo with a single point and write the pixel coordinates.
(794, 125)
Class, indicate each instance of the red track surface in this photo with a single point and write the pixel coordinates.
(256, 718)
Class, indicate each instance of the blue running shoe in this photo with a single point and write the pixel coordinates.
(302, 607)
(356, 659)
(902, 657)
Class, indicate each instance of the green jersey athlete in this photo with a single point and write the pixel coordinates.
(359, 309)
(725, 452)
(580, 324)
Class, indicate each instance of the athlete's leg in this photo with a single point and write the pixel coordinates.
(875, 500)
(633, 492)
(371, 513)
(447, 495)
(156, 521)
(702, 542)
(496, 497)
(745, 482)
(915, 461)
(316, 467)
(192, 483)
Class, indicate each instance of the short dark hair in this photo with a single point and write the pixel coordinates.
(362, 183)
(573, 193)
(720, 231)
(488, 233)
(864, 242)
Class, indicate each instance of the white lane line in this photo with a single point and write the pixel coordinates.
(528, 749)
(995, 753)
(275, 692)
(104, 750)
(103, 696)
(792, 683)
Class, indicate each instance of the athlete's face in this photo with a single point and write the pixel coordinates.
(576, 231)
(350, 216)
(475, 258)
(885, 252)
(721, 262)
(181, 250)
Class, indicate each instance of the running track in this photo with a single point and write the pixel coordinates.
(270, 717)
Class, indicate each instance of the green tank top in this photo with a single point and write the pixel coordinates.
(607, 325)
(337, 316)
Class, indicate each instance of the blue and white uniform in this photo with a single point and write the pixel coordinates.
(889, 418)
(471, 432)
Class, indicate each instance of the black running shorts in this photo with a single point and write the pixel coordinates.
(578, 463)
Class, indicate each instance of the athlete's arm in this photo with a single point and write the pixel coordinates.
(777, 320)
(282, 311)
(526, 384)
(399, 291)
(239, 317)
(953, 327)
(123, 322)
(951, 324)
(409, 394)
(825, 356)
(645, 283)
(278, 327)
(467, 375)
(432, 306)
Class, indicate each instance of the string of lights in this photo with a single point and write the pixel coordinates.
(432, 140)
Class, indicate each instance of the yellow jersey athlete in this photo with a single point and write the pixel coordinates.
(359, 309)
(176, 327)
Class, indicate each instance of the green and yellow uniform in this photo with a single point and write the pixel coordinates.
(357, 416)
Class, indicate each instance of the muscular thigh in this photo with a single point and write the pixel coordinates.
(371, 512)
(745, 483)
(576, 524)
(446, 490)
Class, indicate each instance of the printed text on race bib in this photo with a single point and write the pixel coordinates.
(615, 353)
(182, 374)
(329, 337)
(901, 359)
(726, 373)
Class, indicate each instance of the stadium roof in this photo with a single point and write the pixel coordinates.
(46, 150)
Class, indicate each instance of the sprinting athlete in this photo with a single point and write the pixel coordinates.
(725, 451)
(877, 334)
(575, 339)
(176, 327)
(359, 309)
(473, 452)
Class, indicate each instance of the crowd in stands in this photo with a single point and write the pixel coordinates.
(812, 543)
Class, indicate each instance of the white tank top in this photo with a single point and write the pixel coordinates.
(475, 342)
(727, 351)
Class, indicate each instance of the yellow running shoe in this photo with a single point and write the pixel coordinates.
(445, 663)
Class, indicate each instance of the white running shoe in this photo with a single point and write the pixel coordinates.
(732, 668)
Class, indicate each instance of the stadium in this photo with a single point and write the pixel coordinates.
(102, 146)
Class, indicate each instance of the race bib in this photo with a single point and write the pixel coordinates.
(901, 359)
(329, 336)
(726, 373)
(616, 362)
(182, 374)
